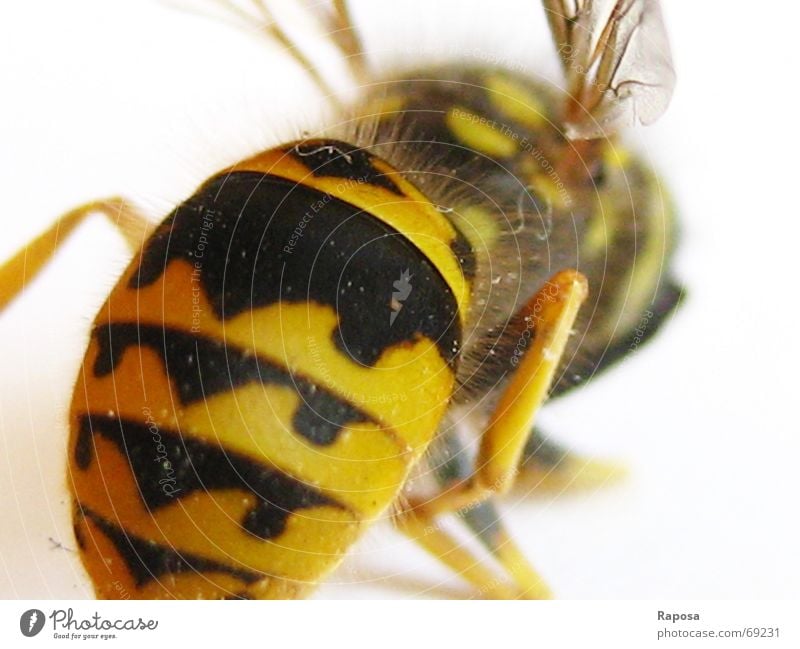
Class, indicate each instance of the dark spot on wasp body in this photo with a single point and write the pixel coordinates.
(200, 367)
(78, 535)
(597, 171)
(200, 466)
(465, 254)
(83, 448)
(332, 158)
(148, 561)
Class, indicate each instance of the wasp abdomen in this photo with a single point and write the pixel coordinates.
(254, 390)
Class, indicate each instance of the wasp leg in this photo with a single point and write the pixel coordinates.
(344, 33)
(485, 521)
(450, 463)
(545, 467)
(423, 530)
(17, 272)
(548, 466)
(550, 314)
(274, 30)
(525, 582)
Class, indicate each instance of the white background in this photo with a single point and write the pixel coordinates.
(135, 98)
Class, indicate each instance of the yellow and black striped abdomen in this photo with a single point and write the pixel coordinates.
(263, 377)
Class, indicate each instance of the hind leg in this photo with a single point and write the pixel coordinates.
(450, 463)
(520, 581)
(547, 466)
(17, 272)
(550, 314)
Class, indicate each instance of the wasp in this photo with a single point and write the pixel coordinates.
(366, 322)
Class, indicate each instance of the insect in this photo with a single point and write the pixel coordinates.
(368, 321)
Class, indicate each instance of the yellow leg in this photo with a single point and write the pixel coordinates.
(545, 467)
(549, 467)
(551, 314)
(525, 583)
(22, 268)
(448, 458)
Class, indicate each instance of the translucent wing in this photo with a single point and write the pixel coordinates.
(617, 63)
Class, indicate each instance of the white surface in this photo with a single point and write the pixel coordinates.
(137, 99)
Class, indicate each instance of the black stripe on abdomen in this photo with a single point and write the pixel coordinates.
(266, 239)
(200, 367)
(195, 465)
(147, 561)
